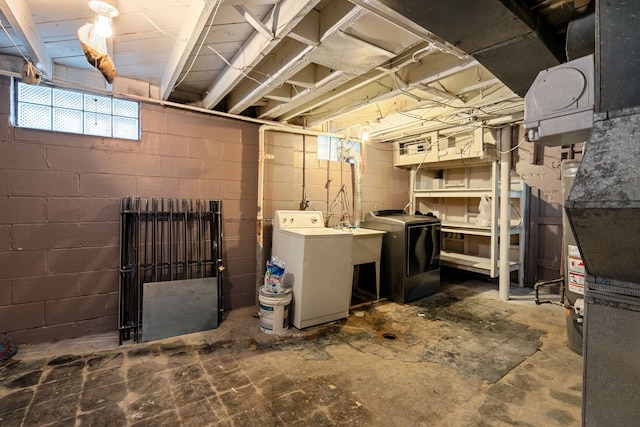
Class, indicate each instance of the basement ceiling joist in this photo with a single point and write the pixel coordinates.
(496, 102)
(287, 14)
(344, 101)
(196, 19)
(398, 66)
(19, 16)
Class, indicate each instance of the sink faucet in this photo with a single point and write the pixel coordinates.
(343, 225)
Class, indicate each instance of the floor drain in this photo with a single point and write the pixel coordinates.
(389, 336)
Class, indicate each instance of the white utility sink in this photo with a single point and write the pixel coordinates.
(367, 246)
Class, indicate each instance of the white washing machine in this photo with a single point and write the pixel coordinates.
(317, 266)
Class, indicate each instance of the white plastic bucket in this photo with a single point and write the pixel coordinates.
(274, 312)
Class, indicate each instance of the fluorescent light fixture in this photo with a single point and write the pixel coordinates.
(104, 13)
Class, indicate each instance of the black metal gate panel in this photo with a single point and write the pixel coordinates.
(166, 240)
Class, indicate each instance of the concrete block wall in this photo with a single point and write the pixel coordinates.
(384, 186)
(60, 207)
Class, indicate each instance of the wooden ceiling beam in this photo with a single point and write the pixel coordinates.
(21, 20)
(196, 21)
(254, 21)
(289, 14)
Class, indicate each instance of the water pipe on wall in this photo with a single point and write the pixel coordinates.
(357, 186)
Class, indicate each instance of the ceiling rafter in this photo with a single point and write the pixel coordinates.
(278, 71)
(426, 74)
(326, 84)
(441, 93)
(286, 111)
(327, 64)
(337, 87)
(197, 18)
(19, 16)
(324, 94)
(290, 12)
(254, 21)
(424, 116)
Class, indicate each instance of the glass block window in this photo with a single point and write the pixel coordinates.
(46, 108)
(329, 148)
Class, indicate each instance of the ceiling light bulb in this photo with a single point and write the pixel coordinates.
(104, 13)
(364, 134)
(103, 26)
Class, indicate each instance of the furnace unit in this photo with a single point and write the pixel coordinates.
(603, 208)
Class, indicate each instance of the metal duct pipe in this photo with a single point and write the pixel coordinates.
(518, 45)
(581, 37)
(357, 186)
(603, 208)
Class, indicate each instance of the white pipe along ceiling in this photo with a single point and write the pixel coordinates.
(402, 68)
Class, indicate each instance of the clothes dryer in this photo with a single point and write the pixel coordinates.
(410, 260)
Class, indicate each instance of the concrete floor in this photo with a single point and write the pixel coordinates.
(457, 358)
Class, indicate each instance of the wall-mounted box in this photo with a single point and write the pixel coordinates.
(559, 106)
